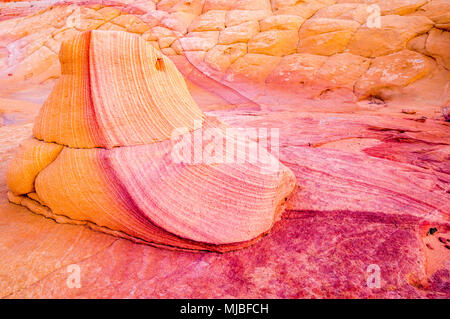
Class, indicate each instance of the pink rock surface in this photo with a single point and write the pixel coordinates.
(351, 210)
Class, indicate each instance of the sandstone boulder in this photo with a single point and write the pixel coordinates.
(297, 69)
(109, 26)
(239, 33)
(126, 21)
(252, 68)
(349, 11)
(222, 56)
(252, 5)
(274, 42)
(281, 22)
(326, 36)
(109, 13)
(342, 70)
(395, 32)
(84, 19)
(166, 5)
(193, 7)
(213, 20)
(391, 72)
(418, 43)
(438, 11)
(235, 17)
(218, 5)
(163, 36)
(438, 45)
(400, 7)
(305, 9)
(199, 41)
(178, 21)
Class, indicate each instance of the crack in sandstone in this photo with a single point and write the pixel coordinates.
(15, 292)
(63, 219)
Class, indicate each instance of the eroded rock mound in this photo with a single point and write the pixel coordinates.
(103, 154)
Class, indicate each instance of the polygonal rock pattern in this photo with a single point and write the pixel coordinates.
(394, 70)
(252, 67)
(274, 42)
(222, 56)
(343, 70)
(326, 36)
(349, 11)
(299, 68)
(199, 41)
(325, 27)
(438, 11)
(418, 44)
(400, 7)
(281, 22)
(239, 33)
(236, 17)
(392, 35)
(218, 5)
(213, 20)
(438, 45)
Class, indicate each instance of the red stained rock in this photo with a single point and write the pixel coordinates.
(326, 256)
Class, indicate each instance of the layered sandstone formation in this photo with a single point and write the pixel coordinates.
(360, 116)
(103, 155)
